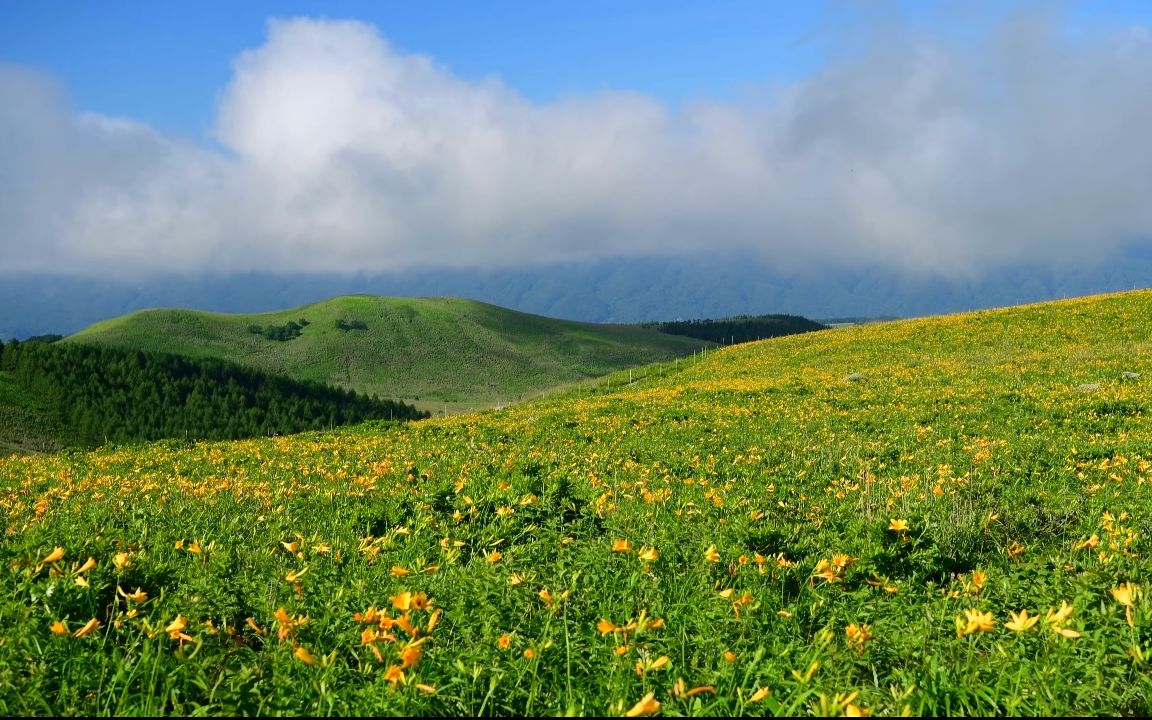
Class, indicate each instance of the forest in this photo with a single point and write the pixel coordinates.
(738, 329)
(107, 395)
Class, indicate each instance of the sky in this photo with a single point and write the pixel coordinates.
(935, 138)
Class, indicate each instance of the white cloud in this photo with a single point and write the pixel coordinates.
(342, 154)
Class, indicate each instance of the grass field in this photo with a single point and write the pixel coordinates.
(939, 516)
(435, 352)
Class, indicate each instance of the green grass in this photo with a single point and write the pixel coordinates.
(845, 520)
(430, 350)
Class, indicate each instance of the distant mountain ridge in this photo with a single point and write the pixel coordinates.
(618, 290)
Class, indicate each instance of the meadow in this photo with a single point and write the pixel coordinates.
(937, 516)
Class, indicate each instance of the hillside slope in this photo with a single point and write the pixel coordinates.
(428, 349)
(946, 516)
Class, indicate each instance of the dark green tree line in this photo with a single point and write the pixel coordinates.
(115, 395)
(742, 328)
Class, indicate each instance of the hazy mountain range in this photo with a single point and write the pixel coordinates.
(625, 290)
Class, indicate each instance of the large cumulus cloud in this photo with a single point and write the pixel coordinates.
(338, 153)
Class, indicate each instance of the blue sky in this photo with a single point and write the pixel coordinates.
(932, 137)
(165, 62)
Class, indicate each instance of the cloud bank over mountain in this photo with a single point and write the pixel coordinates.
(334, 152)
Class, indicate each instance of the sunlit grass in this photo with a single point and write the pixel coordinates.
(959, 529)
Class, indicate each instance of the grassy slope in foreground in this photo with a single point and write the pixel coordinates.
(439, 349)
(953, 532)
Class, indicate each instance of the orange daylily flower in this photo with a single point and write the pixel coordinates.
(304, 656)
(621, 546)
(647, 705)
(711, 555)
(59, 627)
(88, 565)
(88, 628)
(56, 555)
(410, 656)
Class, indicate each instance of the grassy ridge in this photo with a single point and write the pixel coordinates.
(940, 516)
(428, 349)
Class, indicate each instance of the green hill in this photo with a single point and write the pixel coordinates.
(943, 516)
(432, 350)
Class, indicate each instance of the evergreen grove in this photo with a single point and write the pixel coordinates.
(113, 395)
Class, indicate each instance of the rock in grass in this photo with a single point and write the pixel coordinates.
(854, 377)
(1088, 387)
(1129, 375)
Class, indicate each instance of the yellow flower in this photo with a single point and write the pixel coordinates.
(648, 705)
(494, 557)
(621, 546)
(295, 575)
(711, 555)
(680, 689)
(402, 600)
(427, 689)
(88, 565)
(56, 555)
(121, 561)
(1056, 617)
(851, 710)
(529, 653)
(504, 642)
(176, 627)
(649, 555)
(979, 577)
(515, 579)
(1021, 621)
(394, 674)
(410, 656)
(1126, 594)
(59, 627)
(88, 628)
(729, 656)
(137, 597)
(759, 695)
(304, 656)
(433, 621)
(974, 621)
(606, 626)
(858, 636)
(291, 547)
(398, 571)
(900, 526)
